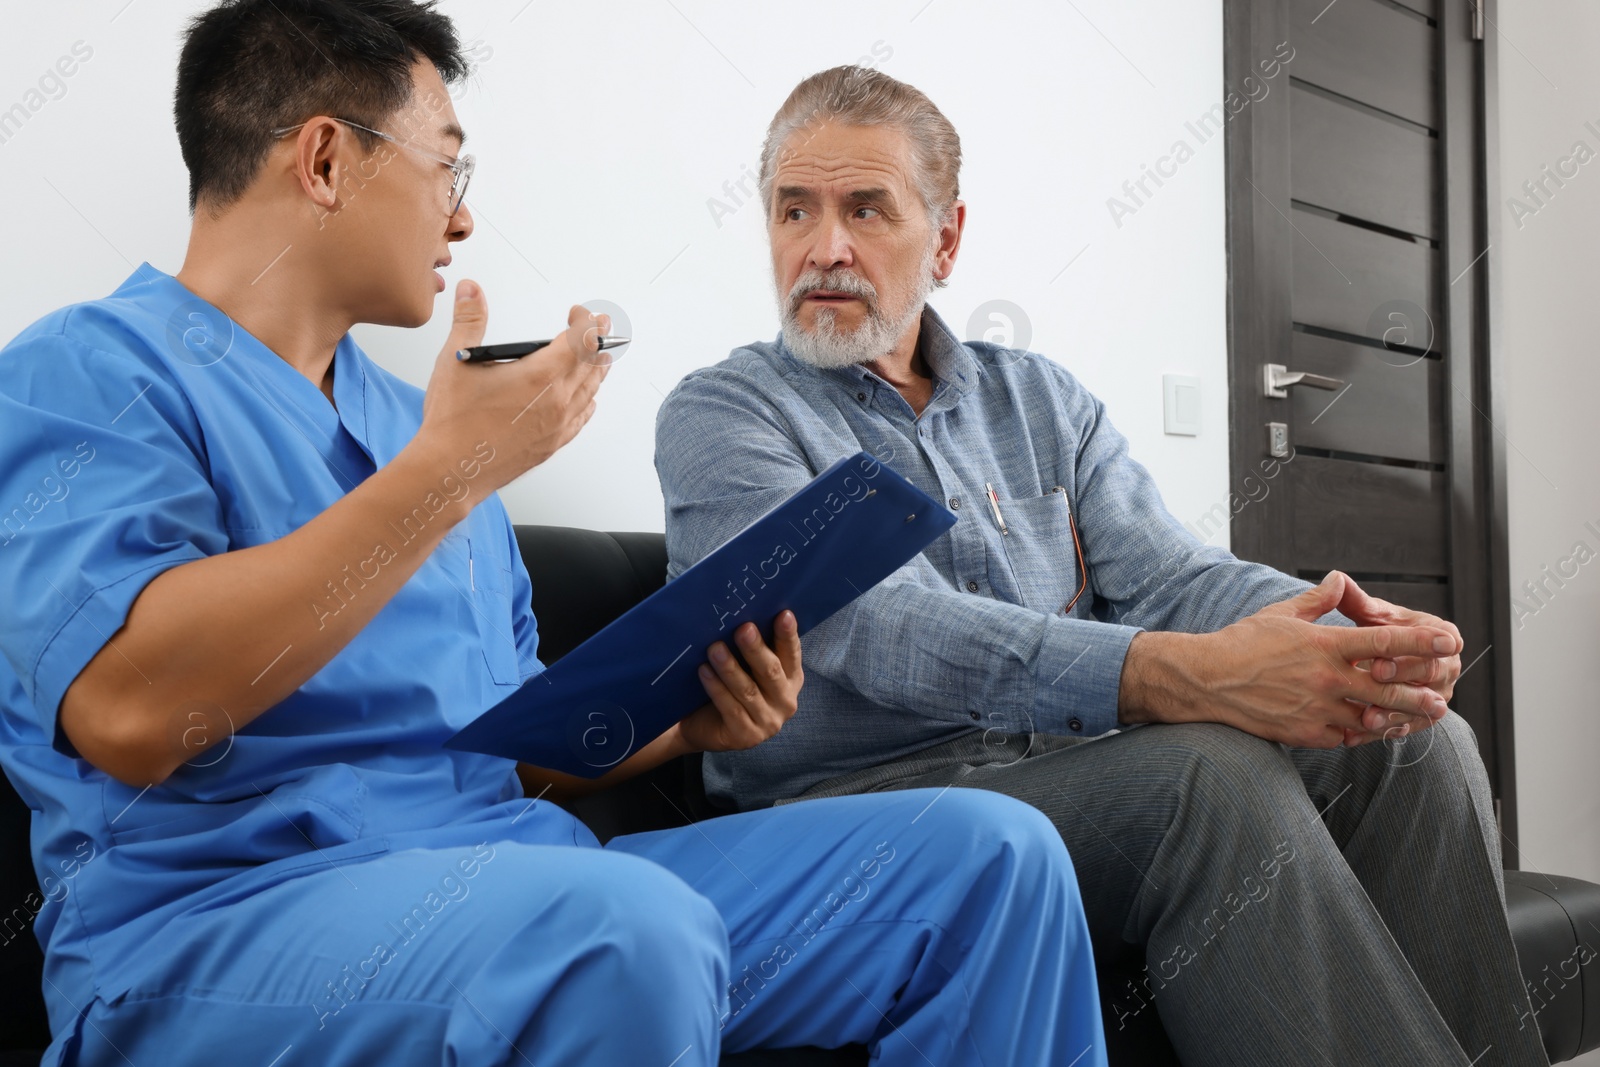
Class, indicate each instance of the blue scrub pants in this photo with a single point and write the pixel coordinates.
(941, 927)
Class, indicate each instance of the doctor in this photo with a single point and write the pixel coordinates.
(253, 582)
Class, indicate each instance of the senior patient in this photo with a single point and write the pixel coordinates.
(1302, 894)
(268, 579)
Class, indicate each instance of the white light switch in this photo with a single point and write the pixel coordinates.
(1181, 404)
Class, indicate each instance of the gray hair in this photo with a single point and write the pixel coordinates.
(860, 96)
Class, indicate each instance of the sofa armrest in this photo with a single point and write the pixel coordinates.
(1555, 922)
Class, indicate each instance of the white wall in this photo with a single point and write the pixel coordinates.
(603, 130)
(1549, 263)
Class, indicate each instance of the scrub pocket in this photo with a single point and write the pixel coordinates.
(489, 585)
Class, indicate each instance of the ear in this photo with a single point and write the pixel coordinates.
(319, 165)
(944, 260)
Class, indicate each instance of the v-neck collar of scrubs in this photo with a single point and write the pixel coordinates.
(349, 406)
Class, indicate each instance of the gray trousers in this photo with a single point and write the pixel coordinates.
(1297, 906)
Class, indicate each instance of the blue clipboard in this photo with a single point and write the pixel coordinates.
(849, 528)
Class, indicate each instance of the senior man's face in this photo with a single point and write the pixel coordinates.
(853, 249)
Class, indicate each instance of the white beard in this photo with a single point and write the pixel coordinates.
(827, 346)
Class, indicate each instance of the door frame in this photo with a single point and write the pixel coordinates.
(1260, 245)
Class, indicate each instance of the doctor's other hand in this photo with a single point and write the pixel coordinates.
(488, 423)
(747, 707)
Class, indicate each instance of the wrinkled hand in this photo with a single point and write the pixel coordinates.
(747, 707)
(1437, 673)
(1278, 675)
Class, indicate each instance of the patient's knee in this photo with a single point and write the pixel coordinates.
(1445, 758)
(1228, 775)
(1222, 757)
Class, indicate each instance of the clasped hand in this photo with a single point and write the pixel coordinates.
(1280, 676)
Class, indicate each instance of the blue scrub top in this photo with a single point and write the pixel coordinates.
(143, 431)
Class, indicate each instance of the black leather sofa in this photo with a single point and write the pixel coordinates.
(581, 580)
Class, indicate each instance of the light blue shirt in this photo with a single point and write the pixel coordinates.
(143, 431)
(971, 634)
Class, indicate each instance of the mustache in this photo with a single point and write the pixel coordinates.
(838, 281)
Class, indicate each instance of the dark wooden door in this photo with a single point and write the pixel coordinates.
(1356, 231)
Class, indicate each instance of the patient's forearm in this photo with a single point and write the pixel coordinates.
(1157, 682)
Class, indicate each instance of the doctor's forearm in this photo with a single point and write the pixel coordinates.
(563, 788)
(234, 631)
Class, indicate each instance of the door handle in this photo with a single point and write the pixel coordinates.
(1277, 379)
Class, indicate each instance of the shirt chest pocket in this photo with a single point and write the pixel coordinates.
(488, 584)
(477, 587)
(1035, 562)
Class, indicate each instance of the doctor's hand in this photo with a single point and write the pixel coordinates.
(500, 420)
(747, 707)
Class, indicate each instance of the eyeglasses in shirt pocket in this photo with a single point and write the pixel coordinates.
(1037, 552)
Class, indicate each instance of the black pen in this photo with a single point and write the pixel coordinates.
(518, 349)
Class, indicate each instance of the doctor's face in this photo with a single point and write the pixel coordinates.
(398, 202)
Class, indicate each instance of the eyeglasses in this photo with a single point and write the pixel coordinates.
(460, 168)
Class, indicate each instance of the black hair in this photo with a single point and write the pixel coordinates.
(251, 66)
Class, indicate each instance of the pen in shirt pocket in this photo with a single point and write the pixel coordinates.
(994, 505)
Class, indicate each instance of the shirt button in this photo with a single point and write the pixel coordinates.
(972, 587)
(1074, 724)
(861, 396)
(955, 503)
(973, 714)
